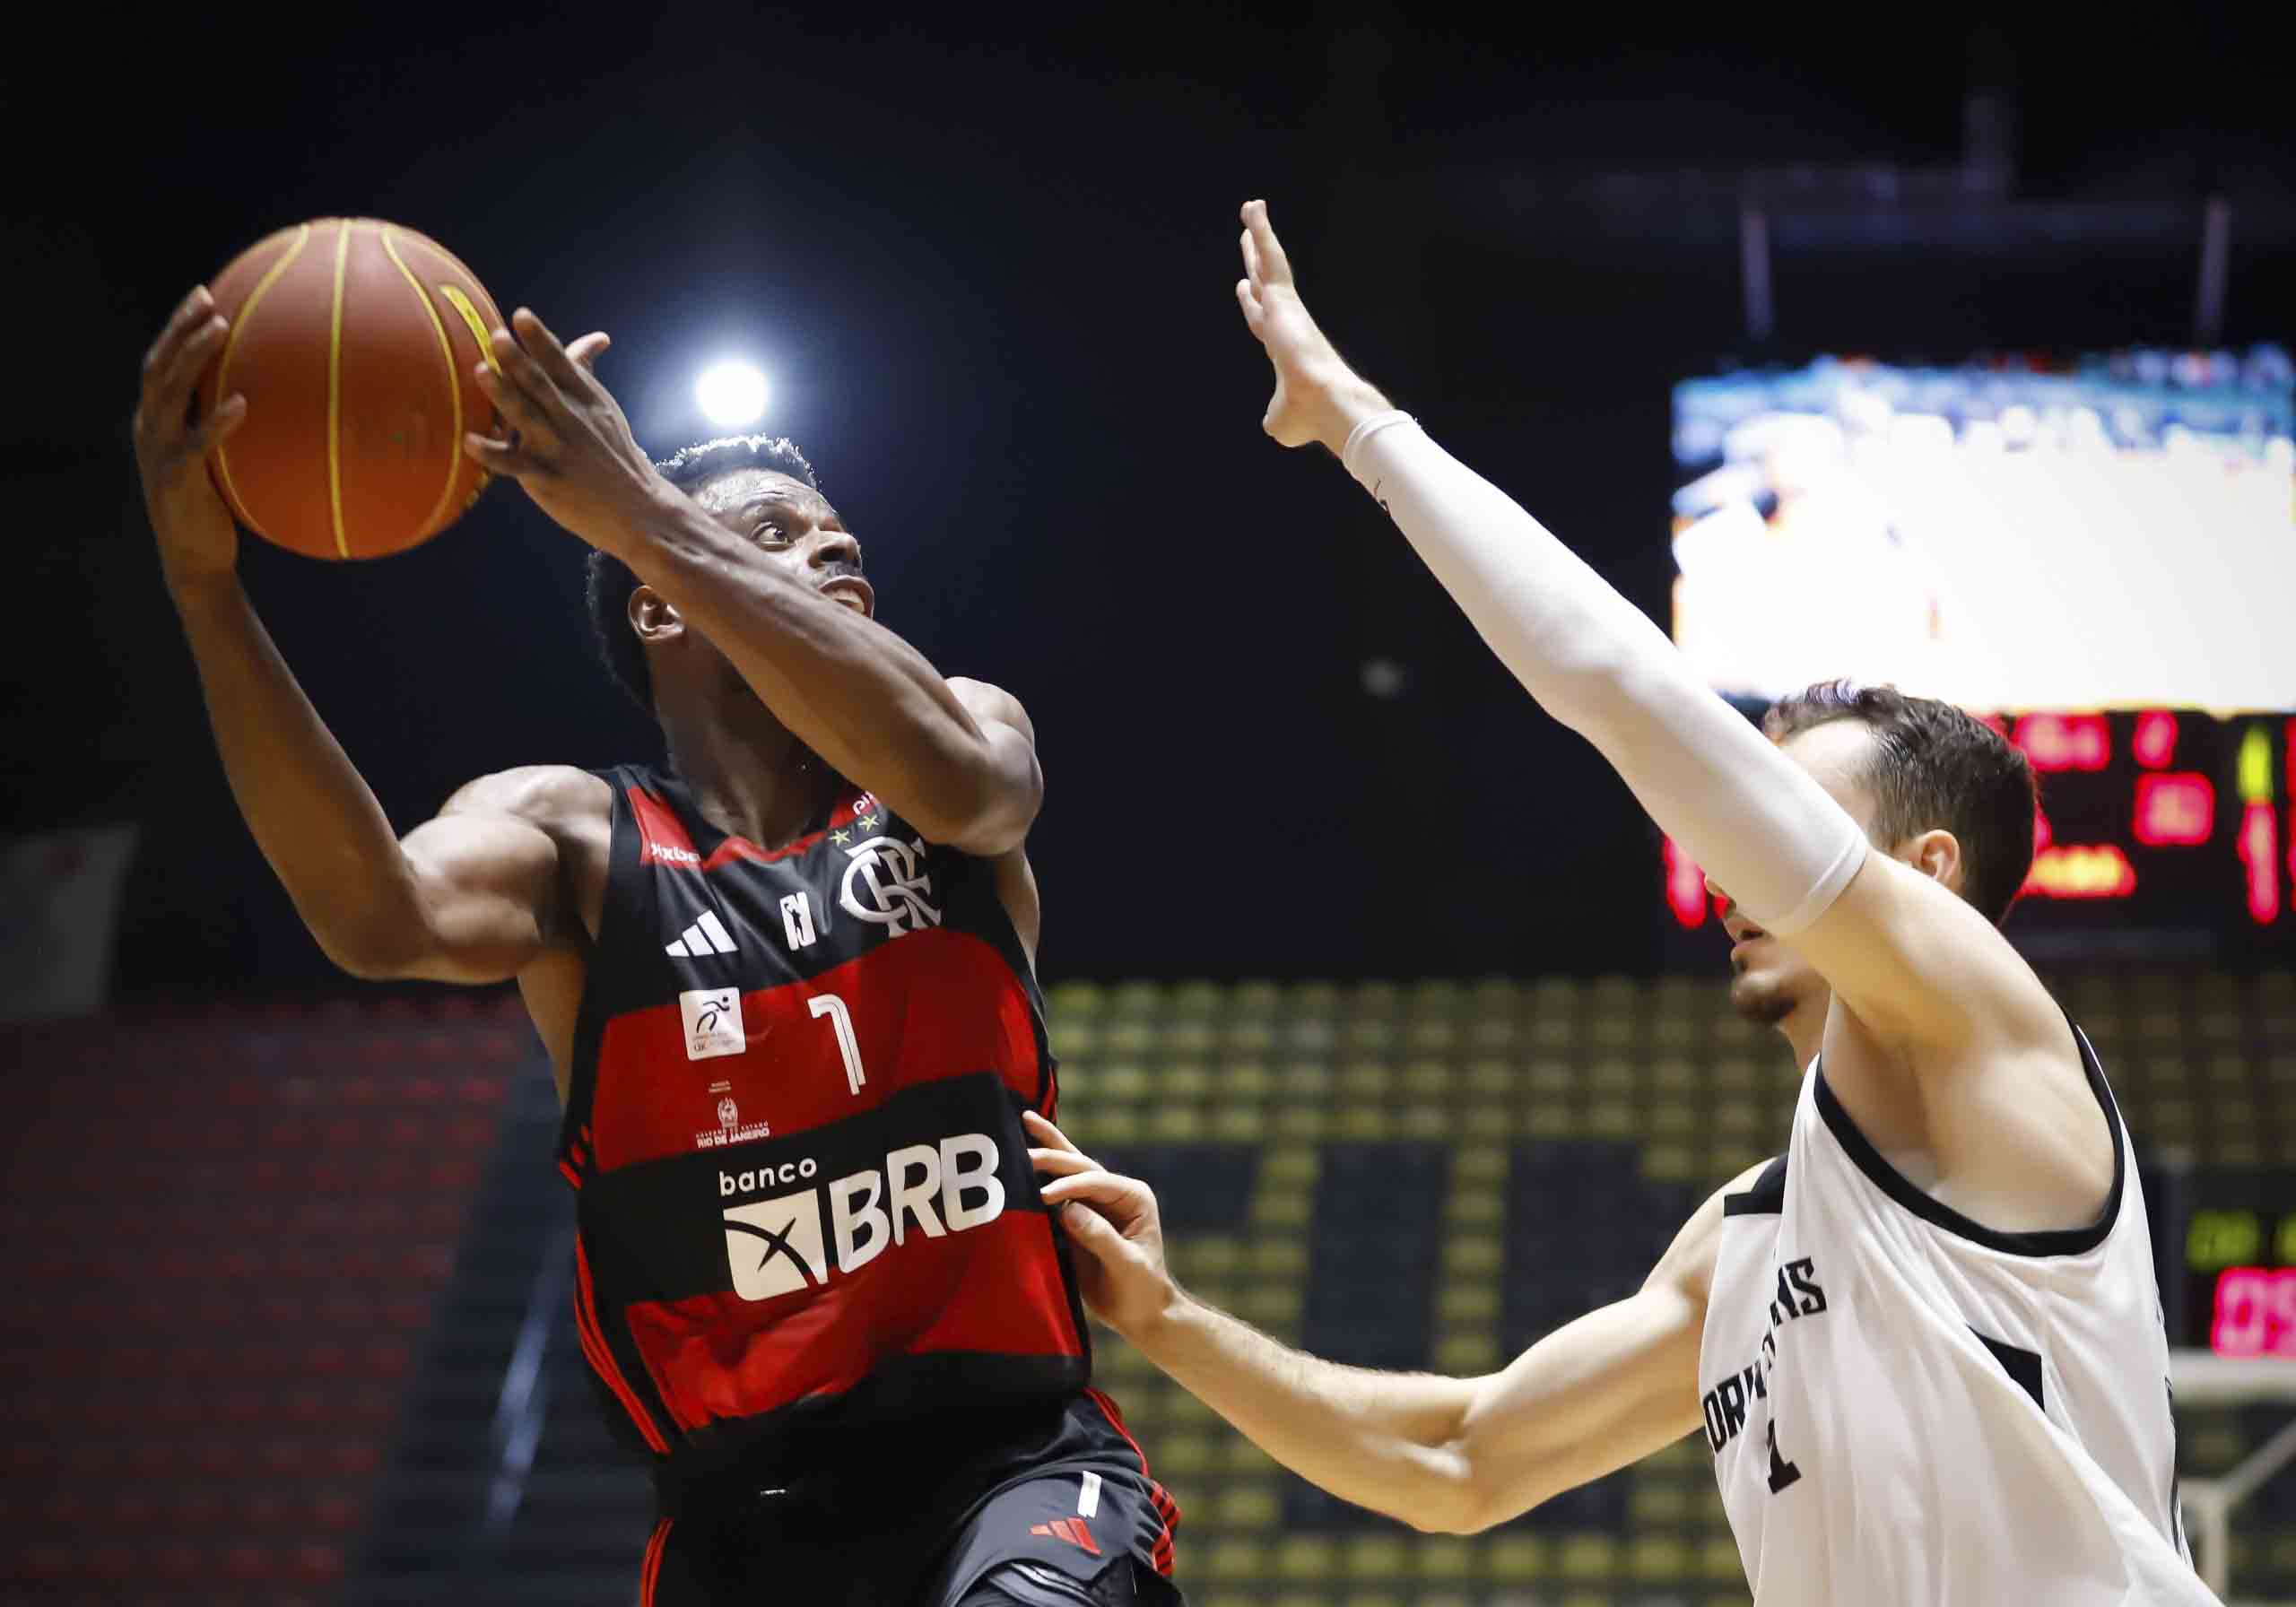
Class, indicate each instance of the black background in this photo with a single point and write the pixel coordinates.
(987, 259)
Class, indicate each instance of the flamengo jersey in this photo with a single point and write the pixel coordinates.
(807, 1226)
(1906, 1407)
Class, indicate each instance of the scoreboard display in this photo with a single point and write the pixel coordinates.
(2097, 556)
(2162, 833)
(2232, 1252)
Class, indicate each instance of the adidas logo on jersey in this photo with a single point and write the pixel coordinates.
(777, 1247)
(706, 936)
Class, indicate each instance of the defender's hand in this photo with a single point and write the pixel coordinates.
(198, 542)
(1112, 1219)
(1317, 396)
(570, 446)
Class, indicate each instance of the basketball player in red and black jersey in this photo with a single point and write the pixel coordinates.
(787, 984)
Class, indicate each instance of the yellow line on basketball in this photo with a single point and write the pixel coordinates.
(335, 391)
(223, 363)
(454, 380)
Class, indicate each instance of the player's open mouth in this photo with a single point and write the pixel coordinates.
(851, 590)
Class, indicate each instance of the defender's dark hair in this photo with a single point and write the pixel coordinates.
(610, 581)
(1935, 766)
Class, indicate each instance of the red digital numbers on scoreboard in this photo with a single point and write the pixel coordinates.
(2177, 809)
(2063, 742)
(2256, 1312)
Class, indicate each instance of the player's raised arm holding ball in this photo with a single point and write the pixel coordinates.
(1923, 1345)
(786, 979)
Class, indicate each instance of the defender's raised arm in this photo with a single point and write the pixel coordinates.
(1909, 959)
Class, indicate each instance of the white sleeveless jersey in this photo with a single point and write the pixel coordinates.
(1905, 1407)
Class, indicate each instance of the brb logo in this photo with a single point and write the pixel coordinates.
(778, 1246)
(886, 881)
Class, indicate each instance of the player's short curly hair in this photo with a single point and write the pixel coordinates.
(610, 580)
(1934, 765)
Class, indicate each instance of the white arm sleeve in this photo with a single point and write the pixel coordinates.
(1751, 817)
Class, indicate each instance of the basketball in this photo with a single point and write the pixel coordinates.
(353, 341)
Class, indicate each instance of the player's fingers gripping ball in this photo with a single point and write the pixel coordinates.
(354, 342)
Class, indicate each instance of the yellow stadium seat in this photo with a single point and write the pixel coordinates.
(1248, 1507)
(1364, 1123)
(1306, 1556)
(1189, 1038)
(1271, 1307)
(1426, 1122)
(1472, 1254)
(1655, 1557)
(1480, 1162)
(1279, 1259)
(1658, 1503)
(1175, 1454)
(1460, 1304)
(1668, 1162)
(1470, 1203)
(1175, 1124)
(1235, 1559)
(1199, 999)
(1376, 1555)
(1446, 1558)
(1464, 1354)
(1129, 1037)
(1246, 1080)
(1517, 1557)
(1079, 999)
(1289, 1166)
(1239, 1123)
(1238, 1455)
(1717, 1558)
(1588, 1554)
(1137, 999)
(1428, 1079)
(1434, 1035)
(1611, 1119)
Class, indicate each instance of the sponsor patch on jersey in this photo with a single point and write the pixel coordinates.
(713, 1021)
(928, 1189)
(730, 1128)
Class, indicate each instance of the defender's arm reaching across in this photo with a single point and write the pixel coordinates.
(1450, 1454)
(1940, 1034)
(958, 758)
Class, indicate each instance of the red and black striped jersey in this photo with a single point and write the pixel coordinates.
(804, 1207)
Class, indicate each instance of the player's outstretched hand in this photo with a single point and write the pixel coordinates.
(198, 539)
(1317, 396)
(1112, 1220)
(570, 446)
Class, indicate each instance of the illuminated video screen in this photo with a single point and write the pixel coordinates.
(2098, 556)
(2101, 538)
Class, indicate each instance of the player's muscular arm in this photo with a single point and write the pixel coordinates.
(1453, 1455)
(1913, 962)
(470, 895)
(957, 758)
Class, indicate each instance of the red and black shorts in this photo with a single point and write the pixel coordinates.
(1070, 1519)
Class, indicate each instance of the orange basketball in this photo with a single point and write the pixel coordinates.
(353, 343)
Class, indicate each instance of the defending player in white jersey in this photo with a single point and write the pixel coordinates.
(1925, 1344)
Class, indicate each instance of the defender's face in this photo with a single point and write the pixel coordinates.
(1768, 981)
(796, 527)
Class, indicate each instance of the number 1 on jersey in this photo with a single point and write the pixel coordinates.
(840, 1018)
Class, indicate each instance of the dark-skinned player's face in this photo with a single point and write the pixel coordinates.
(794, 527)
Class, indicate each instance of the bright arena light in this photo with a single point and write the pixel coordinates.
(731, 395)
